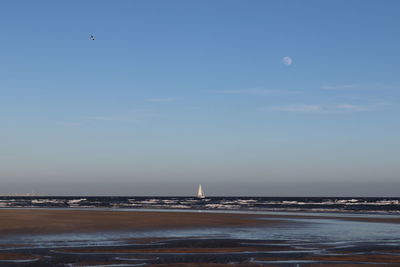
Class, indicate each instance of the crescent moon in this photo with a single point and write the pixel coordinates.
(287, 61)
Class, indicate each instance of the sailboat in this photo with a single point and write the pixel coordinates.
(200, 192)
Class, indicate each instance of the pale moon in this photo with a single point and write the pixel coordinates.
(287, 61)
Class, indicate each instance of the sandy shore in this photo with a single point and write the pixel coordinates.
(188, 250)
(25, 221)
(37, 221)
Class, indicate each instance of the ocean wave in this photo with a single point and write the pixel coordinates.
(369, 205)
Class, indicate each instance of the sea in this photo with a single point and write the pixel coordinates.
(282, 204)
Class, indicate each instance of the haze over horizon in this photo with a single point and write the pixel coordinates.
(255, 98)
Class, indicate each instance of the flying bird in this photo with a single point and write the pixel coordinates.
(92, 37)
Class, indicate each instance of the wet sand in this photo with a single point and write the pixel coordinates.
(47, 221)
(184, 250)
(202, 252)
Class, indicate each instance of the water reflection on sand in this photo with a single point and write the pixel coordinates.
(296, 240)
(296, 229)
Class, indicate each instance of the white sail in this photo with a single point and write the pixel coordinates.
(200, 192)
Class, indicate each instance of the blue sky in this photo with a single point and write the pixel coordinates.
(246, 97)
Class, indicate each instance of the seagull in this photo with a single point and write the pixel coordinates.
(92, 37)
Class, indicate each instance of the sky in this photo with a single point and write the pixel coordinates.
(256, 98)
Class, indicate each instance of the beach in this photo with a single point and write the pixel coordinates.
(47, 221)
(56, 237)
